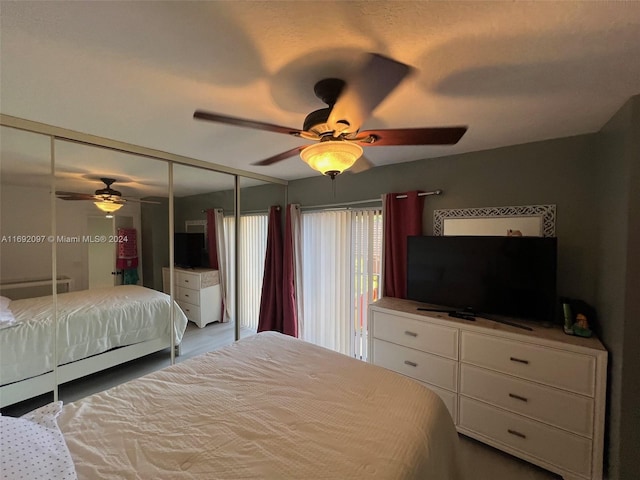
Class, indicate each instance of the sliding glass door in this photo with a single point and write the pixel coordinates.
(341, 252)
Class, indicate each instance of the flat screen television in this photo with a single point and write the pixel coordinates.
(189, 250)
(503, 276)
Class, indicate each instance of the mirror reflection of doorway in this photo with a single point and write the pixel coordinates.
(102, 254)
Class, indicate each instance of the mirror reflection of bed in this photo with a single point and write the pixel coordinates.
(100, 323)
(90, 287)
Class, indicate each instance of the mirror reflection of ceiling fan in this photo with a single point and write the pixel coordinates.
(336, 129)
(106, 199)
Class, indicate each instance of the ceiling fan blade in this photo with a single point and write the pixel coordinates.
(361, 165)
(75, 196)
(280, 156)
(410, 136)
(364, 93)
(241, 122)
(59, 192)
(139, 200)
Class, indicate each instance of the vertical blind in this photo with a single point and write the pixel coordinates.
(341, 253)
(253, 246)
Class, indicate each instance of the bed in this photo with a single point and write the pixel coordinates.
(267, 407)
(97, 329)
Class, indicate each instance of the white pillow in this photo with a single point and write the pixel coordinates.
(33, 446)
(4, 303)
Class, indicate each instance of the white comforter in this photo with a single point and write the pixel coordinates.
(266, 407)
(89, 322)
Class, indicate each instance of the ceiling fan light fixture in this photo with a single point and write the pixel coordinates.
(108, 206)
(331, 157)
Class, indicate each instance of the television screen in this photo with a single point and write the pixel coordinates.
(509, 276)
(189, 250)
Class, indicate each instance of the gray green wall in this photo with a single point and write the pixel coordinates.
(155, 241)
(618, 282)
(252, 199)
(559, 172)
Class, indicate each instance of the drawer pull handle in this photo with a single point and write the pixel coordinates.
(411, 364)
(519, 360)
(411, 334)
(516, 433)
(518, 397)
(186, 295)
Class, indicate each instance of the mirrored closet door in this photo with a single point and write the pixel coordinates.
(114, 259)
(26, 282)
(258, 200)
(110, 316)
(203, 265)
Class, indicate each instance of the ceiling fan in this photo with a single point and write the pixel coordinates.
(106, 199)
(336, 128)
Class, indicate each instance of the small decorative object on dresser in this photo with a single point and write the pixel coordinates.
(537, 394)
(579, 317)
(197, 291)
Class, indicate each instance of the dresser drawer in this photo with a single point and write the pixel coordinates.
(188, 280)
(421, 366)
(548, 444)
(186, 295)
(566, 370)
(423, 336)
(192, 312)
(450, 399)
(555, 407)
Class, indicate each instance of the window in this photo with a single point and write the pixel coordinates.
(341, 265)
(253, 246)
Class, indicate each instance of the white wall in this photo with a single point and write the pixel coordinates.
(26, 211)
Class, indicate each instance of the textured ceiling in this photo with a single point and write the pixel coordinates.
(513, 72)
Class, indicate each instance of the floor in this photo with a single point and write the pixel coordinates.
(479, 461)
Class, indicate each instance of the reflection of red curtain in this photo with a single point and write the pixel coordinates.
(402, 218)
(289, 309)
(270, 317)
(211, 239)
(127, 256)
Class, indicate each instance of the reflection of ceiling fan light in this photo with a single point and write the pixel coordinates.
(331, 157)
(108, 206)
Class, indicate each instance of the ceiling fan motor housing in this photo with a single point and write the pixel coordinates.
(327, 90)
(316, 122)
(108, 191)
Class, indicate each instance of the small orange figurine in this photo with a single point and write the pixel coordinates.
(581, 327)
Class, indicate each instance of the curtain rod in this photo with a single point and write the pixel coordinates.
(247, 212)
(357, 202)
(421, 194)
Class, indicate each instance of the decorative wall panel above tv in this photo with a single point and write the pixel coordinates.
(531, 220)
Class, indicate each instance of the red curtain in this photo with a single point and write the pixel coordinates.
(403, 218)
(270, 317)
(289, 310)
(211, 239)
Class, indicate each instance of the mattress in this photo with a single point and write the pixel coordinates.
(89, 322)
(267, 407)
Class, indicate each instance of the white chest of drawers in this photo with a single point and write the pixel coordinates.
(197, 291)
(538, 395)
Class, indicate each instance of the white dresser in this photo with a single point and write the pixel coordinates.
(197, 291)
(538, 395)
